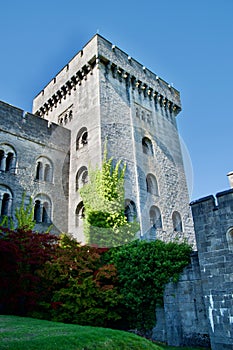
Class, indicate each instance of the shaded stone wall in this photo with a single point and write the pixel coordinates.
(214, 231)
(198, 310)
(184, 321)
(32, 138)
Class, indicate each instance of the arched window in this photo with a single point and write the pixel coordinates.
(2, 156)
(230, 238)
(155, 217)
(37, 211)
(39, 170)
(177, 222)
(7, 158)
(5, 204)
(45, 213)
(44, 169)
(81, 177)
(42, 209)
(82, 138)
(48, 173)
(9, 161)
(130, 210)
(79, 214)
(152, 185)
(5, 201)
(147, 146)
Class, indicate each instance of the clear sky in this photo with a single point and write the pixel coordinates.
(187, 43)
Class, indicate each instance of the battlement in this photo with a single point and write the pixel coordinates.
(98, 53)
(29, 126)
(209, 203)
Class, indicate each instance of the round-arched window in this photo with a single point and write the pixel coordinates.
(155, 217)
(82, 138)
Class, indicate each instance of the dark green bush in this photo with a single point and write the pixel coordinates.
(143, 270)
(57, 279)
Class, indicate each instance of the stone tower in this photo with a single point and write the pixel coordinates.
(103, 93)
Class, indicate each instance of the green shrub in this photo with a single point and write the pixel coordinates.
(143, 270)
(77, 287)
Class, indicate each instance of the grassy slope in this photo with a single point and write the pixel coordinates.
(21, 333)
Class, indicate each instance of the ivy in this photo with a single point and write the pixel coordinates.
(144, 268)
(105, 223)
(25, 215)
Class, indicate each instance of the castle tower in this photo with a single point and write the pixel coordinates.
(103, 93)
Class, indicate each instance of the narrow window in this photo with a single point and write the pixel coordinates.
(39, 171)
(230, 238)
(79, 214)
(81, 177)
(82, 138)
(155, 217)
(177, 222)
(152, 185)
(9, 161)
(130, 210)
(45, 213)
(47, 173)
(147, 147)
(5, 205)
(37, 211)
(2, 161)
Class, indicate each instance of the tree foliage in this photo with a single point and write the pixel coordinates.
(25, 215)
(79, 287)
(22, 253)
(55, 278)
(105, 223)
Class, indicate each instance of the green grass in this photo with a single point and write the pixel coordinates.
(22, 333)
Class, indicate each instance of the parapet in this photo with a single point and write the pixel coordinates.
(209, 203)
(99, 52)
(212, 218)
(18, 122)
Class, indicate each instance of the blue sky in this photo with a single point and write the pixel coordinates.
(187, 43)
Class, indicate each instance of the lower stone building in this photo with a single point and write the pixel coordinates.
(34, 159)
(198, 310)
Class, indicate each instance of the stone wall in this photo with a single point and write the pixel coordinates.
(31, 139)
(198, 310)
(213, 222)
(184, 320)
(117, 99)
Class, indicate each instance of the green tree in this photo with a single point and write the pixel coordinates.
(105, 223)
(25, 215)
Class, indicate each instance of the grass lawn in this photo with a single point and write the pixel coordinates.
(22, 333)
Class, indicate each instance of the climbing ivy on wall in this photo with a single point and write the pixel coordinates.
(143, 269)
(105, 223)
(24, 215)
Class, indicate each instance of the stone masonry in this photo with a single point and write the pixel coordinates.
(198, 310)
(32, 140)
(104, 94)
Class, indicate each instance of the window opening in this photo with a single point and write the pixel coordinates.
(177, 222)
(155, 217)
(147, 147)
